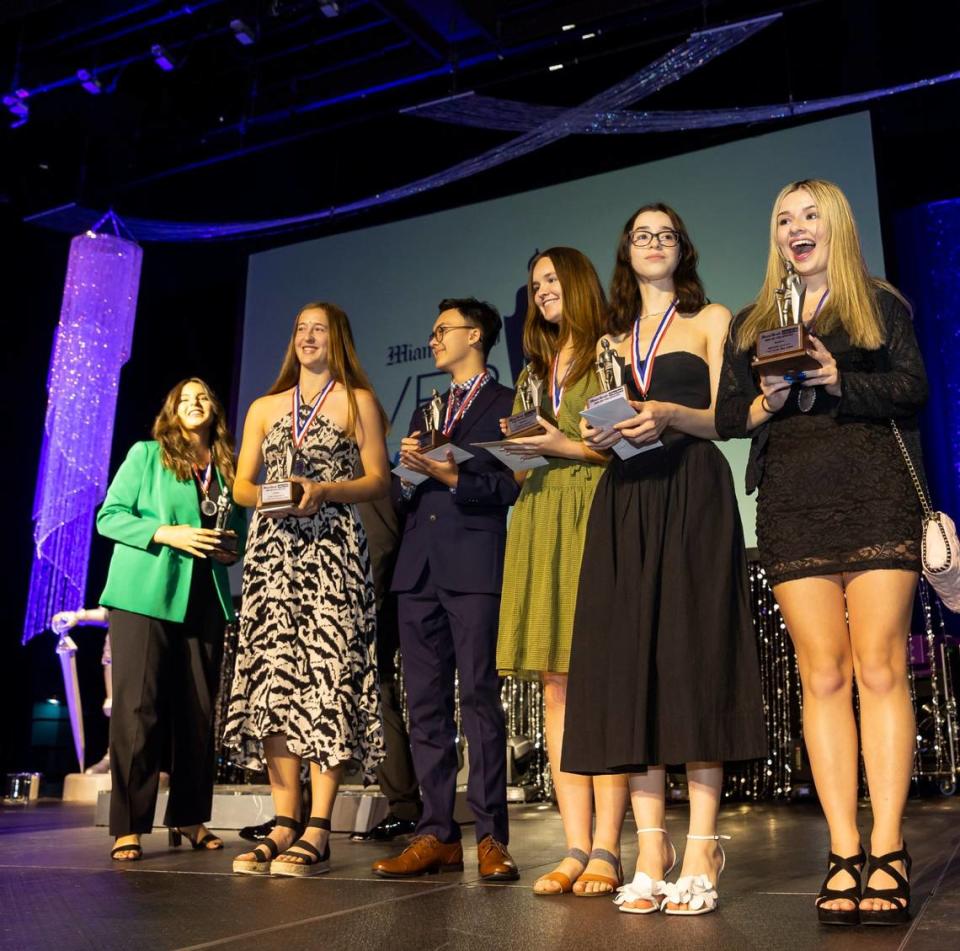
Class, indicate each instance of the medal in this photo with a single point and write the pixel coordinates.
(556, 387)
(643, 369)
(207, 505)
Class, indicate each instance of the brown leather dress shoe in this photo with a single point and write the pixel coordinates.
(495, 863)
(425, 855)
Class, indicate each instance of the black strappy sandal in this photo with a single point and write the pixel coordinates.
(853, 866)
(129, 847)
(315, 863)
(176, 835)
(899, 895)
(261, 864)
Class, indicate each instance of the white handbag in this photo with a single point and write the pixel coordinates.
(939, 546)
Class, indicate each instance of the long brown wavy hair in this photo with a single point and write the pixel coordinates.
(341, 358)
(176, 451)
(583, 319)
(625, 300)
(851, 303)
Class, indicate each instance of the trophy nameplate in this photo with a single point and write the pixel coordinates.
(432, 434)
(281, 497)
(525, 423)
(783, 350)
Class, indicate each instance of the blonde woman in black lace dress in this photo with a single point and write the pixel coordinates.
(838, 528)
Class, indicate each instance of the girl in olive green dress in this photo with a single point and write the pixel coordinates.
(566, 315)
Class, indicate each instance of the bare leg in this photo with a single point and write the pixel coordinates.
(283, 768)
(574, 792)
(323, 786)
(611, 795)
(880, 603)
(700, 856)
(654, 853)
(815, 612)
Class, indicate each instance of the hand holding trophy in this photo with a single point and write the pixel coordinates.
(784, 350)
(525, 423)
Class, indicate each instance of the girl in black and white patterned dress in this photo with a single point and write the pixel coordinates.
(305, 683)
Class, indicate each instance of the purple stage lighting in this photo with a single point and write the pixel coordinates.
(17, 107)
(161, 58)
(243, 33)
(92, 343)
(89, 82)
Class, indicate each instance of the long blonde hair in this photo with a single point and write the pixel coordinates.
(852, 301)
(176, 451)
(584, 315)
(341, 357)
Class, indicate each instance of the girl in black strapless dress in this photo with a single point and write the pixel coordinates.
(664, 664)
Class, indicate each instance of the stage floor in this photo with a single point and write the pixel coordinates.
(59, 890)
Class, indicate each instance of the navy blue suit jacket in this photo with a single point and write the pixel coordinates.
(461, 535)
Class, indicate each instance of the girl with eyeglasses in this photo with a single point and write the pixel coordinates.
(664, 668)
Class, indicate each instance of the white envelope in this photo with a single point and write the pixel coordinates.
(610, 408)
(438, 454)
(510, 460)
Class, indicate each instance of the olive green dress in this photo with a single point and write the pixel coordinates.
(544, 545)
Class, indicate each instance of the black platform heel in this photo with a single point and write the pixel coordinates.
(900, 894)
(853, 866)
(175, 836)
(314, 863)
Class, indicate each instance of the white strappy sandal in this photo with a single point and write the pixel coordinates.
(697, 892)
(643, 887)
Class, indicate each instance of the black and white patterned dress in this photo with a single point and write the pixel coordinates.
(306, 662)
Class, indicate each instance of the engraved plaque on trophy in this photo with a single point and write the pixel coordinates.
(784, 349)
(228, 540)
(432, 434)
(281, 497)
(525, 422)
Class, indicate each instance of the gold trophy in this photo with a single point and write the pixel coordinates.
(784, 349)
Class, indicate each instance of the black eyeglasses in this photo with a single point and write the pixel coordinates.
(438, 332)
(641, 238)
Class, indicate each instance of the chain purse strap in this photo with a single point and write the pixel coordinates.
(928, 512)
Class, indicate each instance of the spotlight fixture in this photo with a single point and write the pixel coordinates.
(89, 82)
(244, 34)
(330, 8)
(17, 107)
(161, 58)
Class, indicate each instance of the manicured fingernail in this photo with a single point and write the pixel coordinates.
(788, 377)
(801, 375)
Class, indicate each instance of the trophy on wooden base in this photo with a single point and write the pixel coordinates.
(432, 434)
(525, 422)
(282, 496)
(784, 349)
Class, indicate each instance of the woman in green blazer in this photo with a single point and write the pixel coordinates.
(169, 599)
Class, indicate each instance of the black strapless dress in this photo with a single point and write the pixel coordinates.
(664, 667)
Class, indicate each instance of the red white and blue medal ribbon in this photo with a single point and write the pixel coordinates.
(556, 387)
(451, 419)
(643, 368)
(298, 429)
(207, 506)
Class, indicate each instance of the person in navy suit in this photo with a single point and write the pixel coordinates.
(448, 578)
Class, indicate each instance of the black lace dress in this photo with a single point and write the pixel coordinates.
(834, 492)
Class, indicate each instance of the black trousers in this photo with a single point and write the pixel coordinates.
(396, 775)
(165, 679)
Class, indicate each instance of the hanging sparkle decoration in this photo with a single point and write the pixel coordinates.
(507, 115)
(91, 345)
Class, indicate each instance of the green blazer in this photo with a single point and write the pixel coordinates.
(145, 577)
